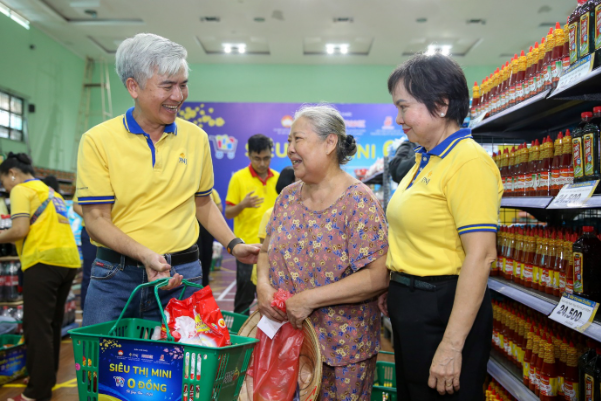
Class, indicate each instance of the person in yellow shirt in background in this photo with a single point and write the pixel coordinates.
(49, 260)
(205, 242)
(287, 177)
(251, 192)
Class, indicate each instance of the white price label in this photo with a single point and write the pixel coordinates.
(574, 195)
(477, 120)
(575, 74)
(575, 312)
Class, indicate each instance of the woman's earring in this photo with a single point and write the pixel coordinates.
(442, 114)
(12, 178)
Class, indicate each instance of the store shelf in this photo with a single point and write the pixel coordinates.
(16, 303)
(376, 178)
(541, 202)
(9, 258)
(543, 303)
(586, 86)
(509, 377)
(71, 326)
(535, 202)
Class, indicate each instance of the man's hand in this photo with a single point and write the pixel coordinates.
(157, 268)
(251, 200)
(246, 253)
(298, 308)
(265, 295)
(445, 369)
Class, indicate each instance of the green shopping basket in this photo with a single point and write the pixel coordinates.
(207, 373)
(12, 357)
(234, 321)
(385, 384)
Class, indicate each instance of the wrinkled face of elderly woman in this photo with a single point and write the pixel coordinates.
(415, 119)
(311, 156)
(160, 99)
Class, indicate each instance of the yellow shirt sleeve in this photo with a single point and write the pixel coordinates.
(20, 202)
(264, 223)
(206, 184)
(233, 197)
(473, 195)
(93, 181)
(215, 196)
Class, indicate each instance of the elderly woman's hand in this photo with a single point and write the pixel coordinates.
(298, 308)
(445, 368)
(265, 295)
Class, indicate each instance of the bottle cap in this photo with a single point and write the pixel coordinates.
(597, 109)
(587, 114)
(557, 25)
(551, 31)
(559, 135)
(522, 53)
(588, 229)
(537, 142)
(567, 133)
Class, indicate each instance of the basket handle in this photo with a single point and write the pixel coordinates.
(156, 284)
(386, 352)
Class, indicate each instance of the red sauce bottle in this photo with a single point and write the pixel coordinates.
(532, 168)
(527, 357)
(549, 374)
(535, 360)
(544, 262)
(561, 365)
(501, 262)
(521, 79)
(504, 170)
(518, 256)
(514, 182)
(534, 72)
(557, 55)
(546, 73)
(560, 266)
(542, 72)
(566, 54)
(522, 171)
(553, 251)
(566, 163)
(509, 268)
(546, 154)
(474, 107)
(556, 179)
(537, 259)
(571, 377)
(529, 252)
(511, 101)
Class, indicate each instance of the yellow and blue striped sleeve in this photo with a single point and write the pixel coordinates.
(20, 202)
(93, 181)
(473, 195)
(206, 183)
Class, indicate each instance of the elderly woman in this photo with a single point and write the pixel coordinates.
(326, 244)
(442, 229)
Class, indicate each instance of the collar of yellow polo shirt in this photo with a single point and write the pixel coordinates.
(151, 186)
(246, 224)
(50, 239)
(452, 190)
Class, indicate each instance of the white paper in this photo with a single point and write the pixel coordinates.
(574, 312)
(269, 327)
(574, 195)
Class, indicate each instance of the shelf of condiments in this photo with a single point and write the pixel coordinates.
(543, 169)
(541, 68)
(556, 362)
(551, 260)
(496, 391)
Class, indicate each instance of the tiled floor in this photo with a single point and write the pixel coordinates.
(223, 285)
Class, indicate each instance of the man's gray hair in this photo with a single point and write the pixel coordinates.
(146, 54)
(327, 120)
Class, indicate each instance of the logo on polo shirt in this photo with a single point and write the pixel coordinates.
(182, 158)
(425, 180)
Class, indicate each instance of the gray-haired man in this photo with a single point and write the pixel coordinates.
(142, 179)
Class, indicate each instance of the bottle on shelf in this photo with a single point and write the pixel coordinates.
(11, 291)
(578, 147)
(522, 170)
(571, 377)
(475, 101)
(549, 374)
(527, 268)
(532, 167)
(504, 170)
(537, 260)
(556, 178)
(541, 75)
(509, 266)
(570, 270)
(544, 263)
(548, 60)
(539, 361)
(592, 377)
(573, 22)
(586, 381)
(598, 27)
(566, 58)
(566, 163)
(560, 347)
(527, 357)
(556, 61)
(554, 274)
(511, 167)
(517, 256)
(519, 89)
(19, 318)
(546, 154)
(587, 30)
(530, 72)
(586, 265)
(591, 147)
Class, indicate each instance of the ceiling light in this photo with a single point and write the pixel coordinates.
(227, 49)
(4, 9)
(445, 50)
(242, 49)
(330, 49)
(441, 49)
(430, 50)
(344, 49)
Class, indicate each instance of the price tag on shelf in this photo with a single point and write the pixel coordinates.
(477, 120)
(575, 74)
(574, 195)
(574, 312)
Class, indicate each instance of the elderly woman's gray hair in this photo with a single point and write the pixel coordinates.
(327, 120)
(146, 54)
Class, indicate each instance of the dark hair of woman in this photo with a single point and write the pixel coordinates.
(20, 161)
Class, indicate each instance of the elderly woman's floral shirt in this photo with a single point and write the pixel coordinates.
(311, 249)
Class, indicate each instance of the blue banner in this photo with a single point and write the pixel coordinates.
(229, 126)
(136, 371)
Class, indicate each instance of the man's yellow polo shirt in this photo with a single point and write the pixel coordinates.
(50, 239)
(244, 181)
(452, 190)
(152, 186)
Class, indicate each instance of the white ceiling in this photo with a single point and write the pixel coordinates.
(294, 31)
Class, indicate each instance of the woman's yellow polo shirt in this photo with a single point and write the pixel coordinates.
(50, 239)
(454, 189)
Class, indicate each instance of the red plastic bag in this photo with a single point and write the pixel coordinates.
(196, 320)
(276, 361)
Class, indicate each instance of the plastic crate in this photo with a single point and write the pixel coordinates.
(234, 321)
(385, 385)
(12, 357)
(207, 374)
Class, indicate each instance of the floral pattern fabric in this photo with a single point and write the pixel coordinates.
(311, 249)
(352, 382)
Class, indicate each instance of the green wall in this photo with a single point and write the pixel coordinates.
(48, 76)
